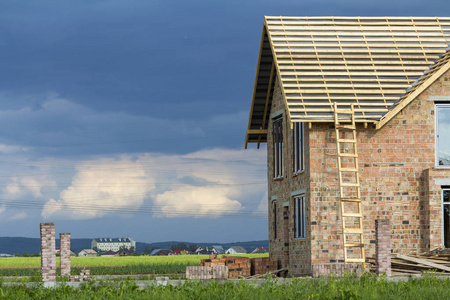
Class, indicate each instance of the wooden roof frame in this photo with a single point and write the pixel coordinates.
(378, 64)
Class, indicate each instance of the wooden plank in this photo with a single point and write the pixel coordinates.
(256, 131)
(354, 245)
(424, 262)
(352, 215)
(353, 230)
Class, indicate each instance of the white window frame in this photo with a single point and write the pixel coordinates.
(298, 145)
(277, 135)
(436, 114)
(300, 217)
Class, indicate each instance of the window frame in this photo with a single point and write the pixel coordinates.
(436, 114)
(298, 148)
(299, 217)
(277, 135)
(443, 214)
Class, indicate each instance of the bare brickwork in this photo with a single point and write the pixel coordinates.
(48, 252)
(206, 272)
(64, 253)
(399, 182)
(337, 270)
(383, 247)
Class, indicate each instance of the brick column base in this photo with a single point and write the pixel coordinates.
(383, 246)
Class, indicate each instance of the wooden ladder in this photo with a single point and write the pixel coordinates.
(349, 185)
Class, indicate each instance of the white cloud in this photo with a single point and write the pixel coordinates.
(262, 209)
(18, 216)
(101, 187)
(22, 187)
(12, 149)
(2, 209)
(201, 202)
(208, 183)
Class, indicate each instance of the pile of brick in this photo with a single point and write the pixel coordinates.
(263, 265)
(207, 272)
(239, 267)
(84, 276)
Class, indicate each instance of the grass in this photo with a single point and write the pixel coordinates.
(29, 266)
(366, 287)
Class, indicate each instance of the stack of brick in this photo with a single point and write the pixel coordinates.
(383, 246)
(84, 276)
(238, 267)
(65, 253)
(48, 252)
(213, 261)
(207, 272)
(263, 265)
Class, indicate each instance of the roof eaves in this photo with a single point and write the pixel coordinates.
(255, 85)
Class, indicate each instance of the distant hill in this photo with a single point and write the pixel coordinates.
(21, 245)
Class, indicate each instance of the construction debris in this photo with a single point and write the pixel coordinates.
(241, 267)
(413, 265)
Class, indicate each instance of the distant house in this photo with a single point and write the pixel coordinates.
(260, 250)
(236, 250)
(179, 252)
(160, 252)
(110, 253)
(125, 252)
(218, 249)
(87, 253)
(6, 255)
(209, 250)
(114, 244)
(72, 253)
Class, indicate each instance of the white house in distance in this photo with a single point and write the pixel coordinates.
(236, 250)
(87, 253)
(114, 244)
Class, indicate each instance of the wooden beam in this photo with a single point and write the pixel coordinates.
(261, 46)
(424, 262)
(413, 96)
(266, 106)
(256, 131)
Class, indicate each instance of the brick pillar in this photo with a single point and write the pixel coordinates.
(65, 253)
(383, 246)
(48, 252)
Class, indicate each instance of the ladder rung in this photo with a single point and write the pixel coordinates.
(353, 230)
(351, 127)
(348, 154)
(349, 184)
(354, 245)
(346, 141)
(355, 215)
(351, 199)
(349, 170)
(360, 260)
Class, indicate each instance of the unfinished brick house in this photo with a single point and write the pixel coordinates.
(382, 85)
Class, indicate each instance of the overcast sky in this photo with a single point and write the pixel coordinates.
(127, 118)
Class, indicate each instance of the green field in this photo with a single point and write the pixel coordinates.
(129, 265)
(366, 287)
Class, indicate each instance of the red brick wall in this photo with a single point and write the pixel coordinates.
(393, 162)
(397, 170)
(297, 251)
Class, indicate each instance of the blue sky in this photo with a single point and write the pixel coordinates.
(127, 118)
